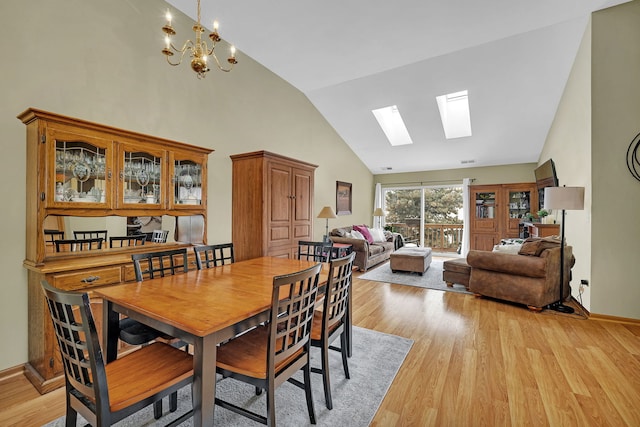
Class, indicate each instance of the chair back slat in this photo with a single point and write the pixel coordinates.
(337, 290)
(315, 251)
(122, 241)
(208, 256)
(158, 264)
(90, 234)
(76, 245)
(51, 236)
(159, 236)
(293, 303)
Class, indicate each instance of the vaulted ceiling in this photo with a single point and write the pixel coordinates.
(350, 57)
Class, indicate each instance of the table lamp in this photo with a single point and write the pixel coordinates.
(378, 213)
(565, 198)
(326, 213)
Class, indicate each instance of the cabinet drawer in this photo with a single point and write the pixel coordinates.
(87, 278)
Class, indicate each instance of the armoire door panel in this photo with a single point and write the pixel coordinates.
(280, 202)
(301, 232)
(302, 192)
(280, 233)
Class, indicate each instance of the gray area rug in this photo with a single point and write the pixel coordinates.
(432, 278)
(377, 357)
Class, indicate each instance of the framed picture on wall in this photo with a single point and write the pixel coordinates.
(343, 198)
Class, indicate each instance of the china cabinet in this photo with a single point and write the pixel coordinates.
(497, 211)
(88, 171)
(272, 202)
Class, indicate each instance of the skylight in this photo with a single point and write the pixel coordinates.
(391, 122)
(454, 112)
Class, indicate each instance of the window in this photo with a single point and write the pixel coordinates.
(455, 115)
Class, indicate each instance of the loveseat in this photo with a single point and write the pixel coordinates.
(530, 277)
(367, 253)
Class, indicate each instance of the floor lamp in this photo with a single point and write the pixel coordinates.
(565, 198)
(326, 213)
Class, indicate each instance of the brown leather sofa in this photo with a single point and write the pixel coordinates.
(367, 254)
(531, 277)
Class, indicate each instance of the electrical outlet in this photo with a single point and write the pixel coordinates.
(584, 282)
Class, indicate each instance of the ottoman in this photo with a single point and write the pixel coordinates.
(456, 271)
(413, 259)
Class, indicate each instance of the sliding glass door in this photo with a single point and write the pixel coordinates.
(426, 216)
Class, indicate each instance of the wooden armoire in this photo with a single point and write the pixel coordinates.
(497, 211)
(272, 203)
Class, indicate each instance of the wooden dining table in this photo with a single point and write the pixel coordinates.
(202, 308)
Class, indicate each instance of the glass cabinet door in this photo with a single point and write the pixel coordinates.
(519, 203)
(485, 205)
(141, 176)
(187, 182)
(82, 170)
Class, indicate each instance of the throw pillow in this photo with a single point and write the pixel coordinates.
(364, 231)
(377, 234)
(339, 232)
(508, 249)
(535, 246)
(355, 234)
(530, 248)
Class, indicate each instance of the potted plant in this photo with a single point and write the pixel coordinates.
(543, 214)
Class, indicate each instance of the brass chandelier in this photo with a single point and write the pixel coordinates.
(199, 50)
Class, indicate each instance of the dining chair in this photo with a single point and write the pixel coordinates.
(159, 236)
(50, 236)
(159, 263)
(331, 322)
(214, 255)
(132, 240)
(149, 265)
(92, 234)
(105, 393)
(270, 354)
(75, 245)
(315, 251)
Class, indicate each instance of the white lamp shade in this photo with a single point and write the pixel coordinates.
(327, 212)
(567, 198)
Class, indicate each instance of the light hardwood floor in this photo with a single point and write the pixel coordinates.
(474, 362)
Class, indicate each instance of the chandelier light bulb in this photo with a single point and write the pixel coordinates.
(215, 26)
(168, 16)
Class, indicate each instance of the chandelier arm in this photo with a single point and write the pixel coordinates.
(220, 67)
(186, 47)
(175, 63)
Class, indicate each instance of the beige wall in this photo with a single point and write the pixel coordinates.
(615, 116)
(596, 121)
(569, 145)
(100, 61)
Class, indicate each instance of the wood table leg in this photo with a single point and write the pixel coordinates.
(110, 331)
(204, 380)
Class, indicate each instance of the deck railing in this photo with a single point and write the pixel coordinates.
(439, 237)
